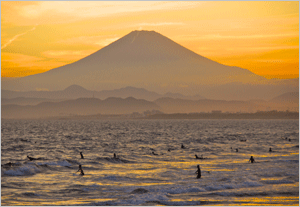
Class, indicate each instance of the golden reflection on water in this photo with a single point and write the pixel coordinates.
(247, 201)
(65, 202)
(268, 201)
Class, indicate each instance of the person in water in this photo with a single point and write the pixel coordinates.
(182, 146)
(270, 150)
(81, 155)
(154, 153)
(198, 172)
(81, 171)
(251, 159)
(31, 158)
(201, 157)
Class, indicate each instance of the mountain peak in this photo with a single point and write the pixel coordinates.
(144, 31)
(75, 88)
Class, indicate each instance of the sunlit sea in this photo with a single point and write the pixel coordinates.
(151, 167)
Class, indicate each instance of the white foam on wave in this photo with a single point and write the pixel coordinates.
(24, 170)
(213, 188)
(63, 163)
(138, 199)
(251, 184)
(246, 184)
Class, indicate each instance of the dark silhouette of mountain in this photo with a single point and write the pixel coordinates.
(113, 105)
(129, 91)
(81, 106)
(171, 105)
(26, 101)
(71, 92)
(147, 59)
(75, 91)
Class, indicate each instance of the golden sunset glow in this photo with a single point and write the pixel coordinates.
(262, 37)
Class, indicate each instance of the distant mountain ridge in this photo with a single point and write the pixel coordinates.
(76, 91)
(81, 106)
(43, 108)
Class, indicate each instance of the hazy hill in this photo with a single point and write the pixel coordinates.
(26, 101)
(113, 105)
(71, 92)
(75, 91)
(292, 97)
(128, 91)
(287, 101)
(171, 105)
(147, 59)
(81, 106)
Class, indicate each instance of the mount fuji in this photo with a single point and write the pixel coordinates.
(147, 59)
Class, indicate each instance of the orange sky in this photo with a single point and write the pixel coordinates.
(262, 37)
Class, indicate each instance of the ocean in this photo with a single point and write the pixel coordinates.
(155, 162)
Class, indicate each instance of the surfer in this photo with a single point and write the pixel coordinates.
(81, 171)
(81, 155)
(10, 164)
(251, 159)
(201, 157)
(154, 153)
(270, 150)
(115, 156)
(182, 147)
(237, 150)
(31, 158)
(198, 172)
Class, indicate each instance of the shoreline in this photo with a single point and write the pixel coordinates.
(264, 115)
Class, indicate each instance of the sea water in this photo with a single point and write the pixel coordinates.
(151, 167)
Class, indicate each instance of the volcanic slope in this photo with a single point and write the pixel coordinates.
(141, 59)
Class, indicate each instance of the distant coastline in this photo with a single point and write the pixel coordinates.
(212, 115)
(257, 115)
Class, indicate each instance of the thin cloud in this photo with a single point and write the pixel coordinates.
(15, 37)
(92, 9)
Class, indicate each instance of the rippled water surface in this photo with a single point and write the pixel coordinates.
(151, 168)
